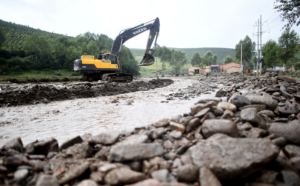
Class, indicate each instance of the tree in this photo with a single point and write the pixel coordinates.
(270, 51)
(32, 45)
(2, 38)
(290, 11)
(178, 60)
(215, 58)
(288, 43)
(228, 59)
(297, 66)
(165, 55)
(248, 47)
(208, 58)
(196, 59)
(92, 48)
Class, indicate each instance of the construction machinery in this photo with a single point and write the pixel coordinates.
(107, 66)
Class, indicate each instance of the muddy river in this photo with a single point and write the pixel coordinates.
(66, 119)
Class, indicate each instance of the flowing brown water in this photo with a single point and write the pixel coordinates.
(66, 119)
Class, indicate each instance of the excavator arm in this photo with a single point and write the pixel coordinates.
(129, 33)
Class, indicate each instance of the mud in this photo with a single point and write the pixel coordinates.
(68, 118)
(20, 94)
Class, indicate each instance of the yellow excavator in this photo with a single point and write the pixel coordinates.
(107, 66)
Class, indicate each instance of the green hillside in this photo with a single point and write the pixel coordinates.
(16, 34)
(221, 52)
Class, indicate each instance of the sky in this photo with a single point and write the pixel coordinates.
(183, 23)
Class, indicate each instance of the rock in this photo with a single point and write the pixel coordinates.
(163, 175)
(133, 139)
(176, 134)
(135, 152)
(226, 106)
(79, 151)
(296, 162)
(197, 108)
(46, 146)
(71, 142)
(74, 173)
(218, 112)
(202, 112)
(257, 107)
(266, 176)
(97, 176)
(289, 178)
(239, 101)
(284, 92)
(176, 118)
(20, 176)
(213, 126)
(207, 178)
(205, 100)
(290, 131)
(168, 144)
(230, 158)
(250, 115)
(263, 98)
(105, 138)
(185, 120)
(47, 180)
(193, 123)
(292, 150)
(269, 113)
(280, 142)
(227, 114)
(161, 122)
(177, 126)
(148, 182)
(292, 109)
(121, 176)
(209, 115)
(254, 133)
(187, 173)
(87, 183)
(221, 93)
(287, 79)
(15, 144)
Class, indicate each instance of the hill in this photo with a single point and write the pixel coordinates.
(16, 34)
(221, 52)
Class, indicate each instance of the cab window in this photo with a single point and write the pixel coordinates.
(114, 61)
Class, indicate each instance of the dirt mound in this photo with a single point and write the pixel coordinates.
(44, 93)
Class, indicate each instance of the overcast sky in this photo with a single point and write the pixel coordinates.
(183, 24)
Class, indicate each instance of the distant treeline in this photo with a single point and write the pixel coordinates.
(26, 48)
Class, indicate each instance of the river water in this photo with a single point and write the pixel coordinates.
(66, 119)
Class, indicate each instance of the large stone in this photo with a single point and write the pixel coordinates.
(287, 79)
(148, 182)
(46, 146)
(253, 117)
(162, 122)
(79, 151)
(207, 178)
(71, 142)
(205, 100)
(121, 176)
(230, 158)
(263, 98)
(257, 107)
(15, 144)
(105, 138)
(268, 113)
(213, 126)
(292, 150)
(290, 131)
(163, 175)
(187, 173)
(74, 173)
(176, 134)
(193, 123)
(221, 93)
(87, 183)
(47, 180)
(133, 139)
(239, 101)
(177, 126)
(197, 108)
(135, 152)
(226, 106)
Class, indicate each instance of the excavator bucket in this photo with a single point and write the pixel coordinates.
(147, 60)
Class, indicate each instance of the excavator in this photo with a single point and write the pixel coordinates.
(107, 66)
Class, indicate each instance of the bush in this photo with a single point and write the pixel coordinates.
(297, 66)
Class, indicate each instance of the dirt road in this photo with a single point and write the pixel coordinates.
(66, 119)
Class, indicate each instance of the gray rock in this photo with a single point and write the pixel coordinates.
(105, 138)
(187, 173)
(205, 100)
(280, 142)
(47, 180)
(213, 126)
(20, 176)
(207, 178)
(290, 131)
(221, 93)
(163, 175)
(239, 101)
(176, 134)
(121, 176)
(202, 112)
(263, 98)
(15, 144)
(46, 146)
(74, 173)
(161, 122)
(230, 158)
(133, 139)
(192, 124)
(254, 133)
(292, 150)
(135, 152)
(267, 112)
(71, 142)
(79, 151)
(226, 106)
(87, 183)
(148, 182)
(253, 117)
(289, 178)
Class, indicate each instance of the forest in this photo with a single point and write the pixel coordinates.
(24, 48)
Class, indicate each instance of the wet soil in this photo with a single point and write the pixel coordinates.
(66, 119)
